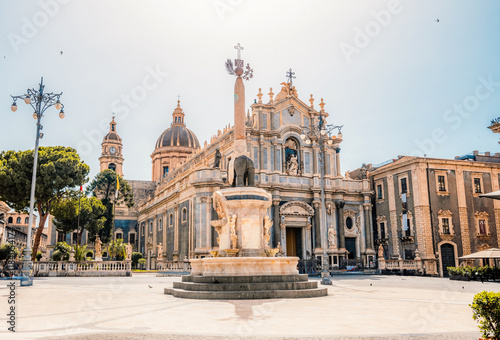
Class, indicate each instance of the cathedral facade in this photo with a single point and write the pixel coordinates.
(172, 218)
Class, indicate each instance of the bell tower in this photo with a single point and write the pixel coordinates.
(111, 154)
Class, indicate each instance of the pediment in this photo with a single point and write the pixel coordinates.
(296, 208)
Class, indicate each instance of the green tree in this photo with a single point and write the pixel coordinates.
(61, 251)
(136, 256)
(7, 251)
(75, 209)
(80, 252)
(104, 186)
(59, 168)
(486, 311)
(117, 249)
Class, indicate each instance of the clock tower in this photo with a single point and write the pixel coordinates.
(111, 154)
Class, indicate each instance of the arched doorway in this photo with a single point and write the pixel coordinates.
(296, 228)
(447, 257)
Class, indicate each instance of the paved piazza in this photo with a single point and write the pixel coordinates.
(378, 307)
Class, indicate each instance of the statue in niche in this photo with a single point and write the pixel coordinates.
(380, 252)
(293, 166)
(217, 158)
(267, 231)
(331, 237)
(232, 226)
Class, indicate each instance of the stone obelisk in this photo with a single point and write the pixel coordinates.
(239, 102)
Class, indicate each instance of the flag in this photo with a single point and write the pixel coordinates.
(81, 188)
(117, 187)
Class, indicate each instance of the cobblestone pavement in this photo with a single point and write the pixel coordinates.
(368, 307)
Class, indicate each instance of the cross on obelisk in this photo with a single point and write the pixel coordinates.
(239, 48)
(290, 75)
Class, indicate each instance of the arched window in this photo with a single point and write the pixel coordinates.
(165, 171)
(160, 224)
(18, 220)
(171, 220)
(292, 157)
(150, 227)
(112, 166)
(11, 220)
(26, 220)
(184, 214)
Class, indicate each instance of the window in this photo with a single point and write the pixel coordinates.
(482, 227)
(264, 121)
(119, 236)
(184, 214)
(379, 192)
(142, 229)
(382, 230)
(165, 171)
(441, 183)
(171, 220)
(75, 237)
(18, 220)
(404, 186)
(150, 227)
(446, 226)
(60, 237)
(11, 220)
(160, 224)
(131, 238)
(26, 220)
(264, 160)
(112, 166)
(348, 223)
(477, 185)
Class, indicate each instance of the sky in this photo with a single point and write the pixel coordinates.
(402, 77)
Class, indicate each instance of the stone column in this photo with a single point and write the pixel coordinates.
(340, 219)
(276, 222)
(368, 230)
(239, 116)
(176, 233)
(315, 159)
(317, 224)
(261, 153)
(273, 150)
(337, 161)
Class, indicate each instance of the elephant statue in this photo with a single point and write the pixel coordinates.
(241, 172)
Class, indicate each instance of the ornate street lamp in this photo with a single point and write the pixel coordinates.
(323, 134)
(40, 102)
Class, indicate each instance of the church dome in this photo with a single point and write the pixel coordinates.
(178, 135)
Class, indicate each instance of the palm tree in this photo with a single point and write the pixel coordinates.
(117, 249)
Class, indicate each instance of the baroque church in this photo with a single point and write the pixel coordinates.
(170, 221)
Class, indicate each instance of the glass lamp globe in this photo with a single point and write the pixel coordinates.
(61, 114)
(323, 131)
(35, 116)
(340, 134)
(27, 100)
(58, 105)
(330, 141)
(308, 141)
(302, 136)
(14, 107)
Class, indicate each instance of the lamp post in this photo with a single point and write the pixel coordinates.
(322, 133)
(40, 102)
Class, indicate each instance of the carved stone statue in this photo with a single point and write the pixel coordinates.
(97, 243)
(380, 252)
(347, 175)
(241, 172)
(293, 166)
(160, 251)
(217, 159)
(232, 226)
(364, 173)
(267, 231)
(128, 248)
(331, 237)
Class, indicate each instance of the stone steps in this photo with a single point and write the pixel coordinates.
(247, 295)
(246, 287)
(245, 279)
